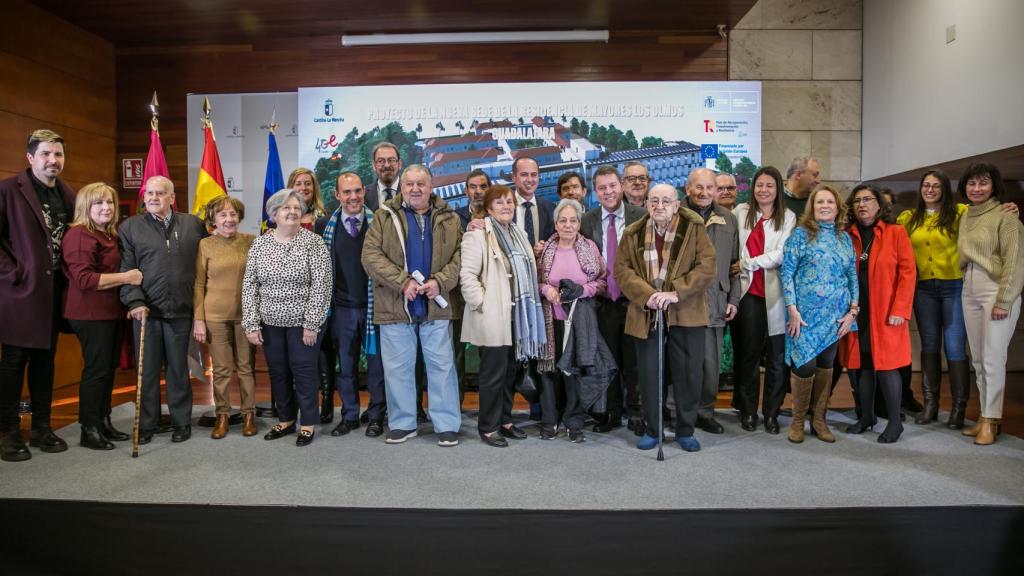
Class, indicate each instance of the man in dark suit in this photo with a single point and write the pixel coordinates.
(535, 216)
(604, 225)
(351, 296)
(35, 210)
(387, 166)
(723, 294)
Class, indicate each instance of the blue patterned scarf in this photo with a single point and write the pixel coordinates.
(370, 337)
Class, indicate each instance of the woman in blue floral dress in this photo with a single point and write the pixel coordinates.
(819, 287)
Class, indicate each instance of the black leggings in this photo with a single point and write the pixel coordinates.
(823, 360)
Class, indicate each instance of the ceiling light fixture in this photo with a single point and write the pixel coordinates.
(475, 37)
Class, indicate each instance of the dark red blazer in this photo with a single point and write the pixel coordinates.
(87, 255)
(26, 264)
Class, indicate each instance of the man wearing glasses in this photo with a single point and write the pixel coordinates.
(387, 166)
(636, 179)
(726, 185)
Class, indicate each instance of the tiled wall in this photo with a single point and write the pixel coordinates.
(807, 53)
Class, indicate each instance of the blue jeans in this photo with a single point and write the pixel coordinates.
(349, 325)
(398, 344)
(940, 317)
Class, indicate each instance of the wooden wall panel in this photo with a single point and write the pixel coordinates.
(285, 64)
(60, 77)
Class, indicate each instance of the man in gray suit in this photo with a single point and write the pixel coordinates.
(723, 294)
(604, 225)
(387, 165)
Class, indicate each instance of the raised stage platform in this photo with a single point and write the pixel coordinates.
(931, 504)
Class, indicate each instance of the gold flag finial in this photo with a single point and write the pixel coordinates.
(154, 109)
(206, 111)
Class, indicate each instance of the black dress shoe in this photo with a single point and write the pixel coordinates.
(771, 425)
(279, 431)
(13, 449)
(111, 433)
(548, 432)
(749, 422)
(512, 432)
(305, 438)
(608, 424)
(344, 427)
(637, 425)
(858, 428)
(181, 433)
(494, 439)
(710, 425)
(145, 437)
(47, 441)
(93, 439)
(375, 428)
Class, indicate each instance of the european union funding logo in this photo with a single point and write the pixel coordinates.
(708, 151)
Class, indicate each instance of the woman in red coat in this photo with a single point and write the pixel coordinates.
(887, 274)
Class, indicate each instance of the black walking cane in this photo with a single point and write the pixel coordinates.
(138, 385)
(660, 331)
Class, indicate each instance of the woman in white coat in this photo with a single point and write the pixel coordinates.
(488, 280)
(760, 321)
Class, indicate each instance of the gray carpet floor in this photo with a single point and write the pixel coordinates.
(930, 466)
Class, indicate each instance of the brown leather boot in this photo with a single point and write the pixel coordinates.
(249, 424)
(800, 390)
(987, 432)
(820, 395)
(220, 429)
(973, 430)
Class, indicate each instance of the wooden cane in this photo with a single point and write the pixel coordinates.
(138, 385)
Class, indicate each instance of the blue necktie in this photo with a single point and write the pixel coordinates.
(353, 230)
(528, 222)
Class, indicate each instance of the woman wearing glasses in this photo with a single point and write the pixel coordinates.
(886, 276)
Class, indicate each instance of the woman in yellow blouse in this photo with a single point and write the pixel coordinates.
(933, 228)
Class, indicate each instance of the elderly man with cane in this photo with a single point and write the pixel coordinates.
(666, 263)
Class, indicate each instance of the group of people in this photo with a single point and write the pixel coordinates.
(566, 298)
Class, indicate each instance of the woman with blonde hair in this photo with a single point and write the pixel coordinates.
(91, 263)
(303, 181)
(820, 289)
(217, 310)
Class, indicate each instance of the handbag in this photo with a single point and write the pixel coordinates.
(526, 383)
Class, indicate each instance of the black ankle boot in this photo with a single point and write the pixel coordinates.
(93, 439)
(959, 387)
(110, 433)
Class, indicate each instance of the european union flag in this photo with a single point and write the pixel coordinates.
(708, 151)
(275, 178)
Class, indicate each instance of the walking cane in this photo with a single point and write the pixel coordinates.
(138, 385)
(660, 330)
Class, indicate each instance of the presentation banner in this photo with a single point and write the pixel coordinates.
(671, 127)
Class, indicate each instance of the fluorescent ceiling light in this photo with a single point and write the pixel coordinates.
(475, 37)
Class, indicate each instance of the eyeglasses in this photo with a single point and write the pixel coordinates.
(726, 187)
(636, 179)
(864, 200)
(930, 186)
(661, 201)
(388, 161)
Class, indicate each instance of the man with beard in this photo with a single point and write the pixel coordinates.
(477, 183)
(35, 209)
(637, 179)
(386, 165)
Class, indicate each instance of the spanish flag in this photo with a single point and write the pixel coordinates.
(211, 177)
